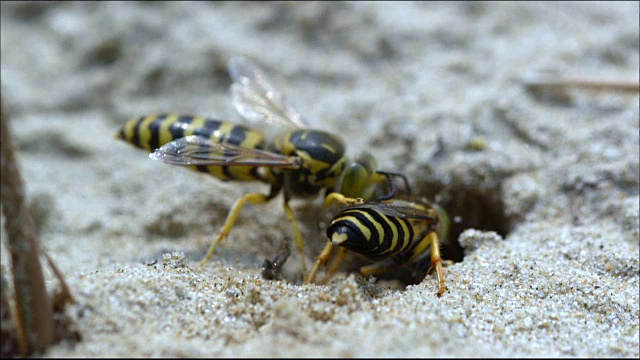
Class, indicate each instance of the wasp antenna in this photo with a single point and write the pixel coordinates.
(392, 191)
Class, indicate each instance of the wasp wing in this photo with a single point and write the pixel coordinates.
(395, 208)
(199, 150)
(257, 98)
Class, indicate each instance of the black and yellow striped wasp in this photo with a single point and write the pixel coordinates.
(393, 232)
(300, 162)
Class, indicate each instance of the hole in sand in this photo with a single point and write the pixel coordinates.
(467, 207)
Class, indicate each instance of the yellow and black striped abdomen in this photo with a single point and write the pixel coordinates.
(154, 131)
(372, 233)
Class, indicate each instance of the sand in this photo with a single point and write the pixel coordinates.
(543, 185)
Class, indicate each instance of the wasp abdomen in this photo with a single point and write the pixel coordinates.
(369, 232)
(154, 131)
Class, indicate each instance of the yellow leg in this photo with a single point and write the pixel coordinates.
(375, 269)
(335, 197)
(436, 261)
(431, 240)
(322, 259)
(298, 236)
(325, 255)
(254, 198)
(342, 253)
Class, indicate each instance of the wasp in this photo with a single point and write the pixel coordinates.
(391, 232)
(300, 162)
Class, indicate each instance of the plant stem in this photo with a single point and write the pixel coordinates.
(34, 316)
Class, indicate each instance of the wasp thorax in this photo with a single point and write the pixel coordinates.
(322, 160)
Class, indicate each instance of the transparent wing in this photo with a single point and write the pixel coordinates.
(396, 208)
(257, 98)
(199, 150)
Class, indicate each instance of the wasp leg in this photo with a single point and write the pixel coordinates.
(436, 261)
(298, 236)
(375, 269)
(253, 198)
(431, 240)
(335, 197)
(322, 259)
(342, 253)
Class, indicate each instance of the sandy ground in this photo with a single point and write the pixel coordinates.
(543, 186)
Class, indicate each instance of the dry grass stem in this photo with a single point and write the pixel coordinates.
(34, 315)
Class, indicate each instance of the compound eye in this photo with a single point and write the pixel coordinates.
(353, 181)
